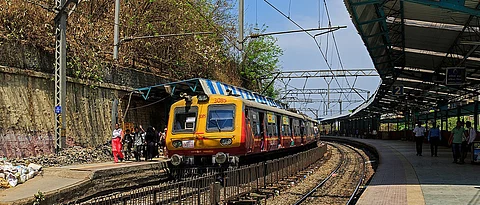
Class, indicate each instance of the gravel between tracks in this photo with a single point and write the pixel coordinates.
(320, 171)
(338, 188)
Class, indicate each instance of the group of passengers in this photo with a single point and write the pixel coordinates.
(461, 140)
(139, 143)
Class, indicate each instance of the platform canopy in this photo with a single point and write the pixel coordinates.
(412, 43)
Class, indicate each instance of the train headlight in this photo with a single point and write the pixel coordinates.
(177, 143)
(220, 158)
(176, 159)
(226, 141)
(202, 98)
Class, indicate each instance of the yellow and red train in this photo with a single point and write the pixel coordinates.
(223, 130)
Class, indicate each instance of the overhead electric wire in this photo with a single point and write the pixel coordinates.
(335, 43)
(299, 26)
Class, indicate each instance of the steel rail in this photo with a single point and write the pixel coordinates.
(361, 178)
(343, 161)
(304, 197)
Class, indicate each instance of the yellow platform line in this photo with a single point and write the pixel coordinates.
(414, 190)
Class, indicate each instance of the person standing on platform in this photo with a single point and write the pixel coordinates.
(127, 144)
(150, 139)
(419, 132)
(456, 138)
(471, 134)
(434, 137)
(117, 137)
(162, 142)
(138, 141)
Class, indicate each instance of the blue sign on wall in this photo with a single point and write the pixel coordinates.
(58, 109)
(455, 76)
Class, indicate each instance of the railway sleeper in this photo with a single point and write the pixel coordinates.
(256, 195)
(245, 202)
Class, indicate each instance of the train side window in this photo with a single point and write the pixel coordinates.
(296, 127)
(269, 130)
(185, 119)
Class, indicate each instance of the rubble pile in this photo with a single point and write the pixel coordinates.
(17, 171)
(11, 175)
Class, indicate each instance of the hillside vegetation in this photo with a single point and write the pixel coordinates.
(90, 36)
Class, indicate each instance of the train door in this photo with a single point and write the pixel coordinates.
(249, 130)
(302, 131)
(263, 134)
(307, 131)
(296, 128)
(255, 121)
(272, 131)
(292, 132)
(286, 135)
(278, 131)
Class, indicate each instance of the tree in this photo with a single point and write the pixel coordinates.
(260, 60)
(90, 36)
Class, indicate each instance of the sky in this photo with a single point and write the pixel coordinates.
(300, 51)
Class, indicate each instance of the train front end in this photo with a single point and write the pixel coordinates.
(206, 131)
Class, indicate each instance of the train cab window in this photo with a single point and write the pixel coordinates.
(185, 119)
(221, 118)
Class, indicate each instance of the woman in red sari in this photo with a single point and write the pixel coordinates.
(117, 138)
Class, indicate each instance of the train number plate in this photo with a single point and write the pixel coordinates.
(188, 143)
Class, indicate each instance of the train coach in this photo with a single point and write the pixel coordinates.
(225, 130)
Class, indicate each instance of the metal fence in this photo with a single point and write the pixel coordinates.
(219, 187)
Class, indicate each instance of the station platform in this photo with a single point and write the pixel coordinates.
(61, 184)
(404, 178)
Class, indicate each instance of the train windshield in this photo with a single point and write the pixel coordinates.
(221, 118)
(185, 119)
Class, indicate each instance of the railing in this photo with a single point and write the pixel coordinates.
(217, 188)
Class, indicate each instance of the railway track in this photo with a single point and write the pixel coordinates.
(213, 187)
(342, 184)
(342, 173)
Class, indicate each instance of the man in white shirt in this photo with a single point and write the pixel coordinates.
(419, 132)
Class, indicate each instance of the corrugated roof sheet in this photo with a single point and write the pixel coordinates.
(424, 41)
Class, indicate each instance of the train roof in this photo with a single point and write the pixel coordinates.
(273, 109)
(209, 87)
(198, 86)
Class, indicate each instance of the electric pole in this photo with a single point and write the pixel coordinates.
(240, 24)
(60, 75)
(116, 30)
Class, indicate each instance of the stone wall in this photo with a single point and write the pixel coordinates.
(27, 117)
(27, 102)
